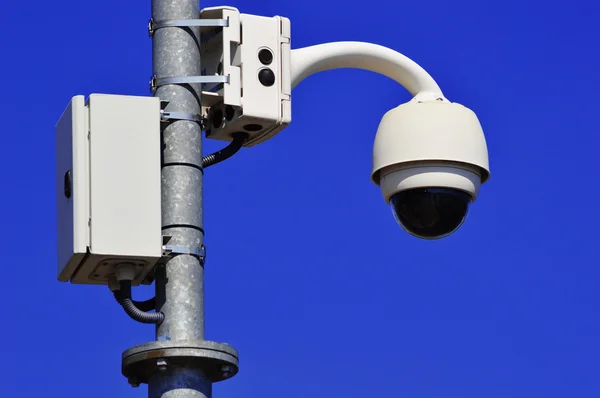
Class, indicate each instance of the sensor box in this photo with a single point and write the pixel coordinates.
(108, 197)
(254, 53)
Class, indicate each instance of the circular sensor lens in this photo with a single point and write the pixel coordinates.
(266, 77)
(265, 56)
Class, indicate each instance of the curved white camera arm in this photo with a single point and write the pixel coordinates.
(368, 56)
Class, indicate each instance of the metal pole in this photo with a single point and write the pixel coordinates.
(180, 363)
(180, 284)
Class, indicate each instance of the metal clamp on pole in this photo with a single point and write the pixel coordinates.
(156, 82)
(153, 25)
(169, 116)
(199, 252)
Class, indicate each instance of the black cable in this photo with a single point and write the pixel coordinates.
(146, 306)
(132, 310)
(238, 142)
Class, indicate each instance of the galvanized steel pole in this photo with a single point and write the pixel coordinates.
(180, 284)
(180, 363)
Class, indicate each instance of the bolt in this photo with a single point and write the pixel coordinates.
(150, 27)
(227, 370)
(162, 365)
(133, 382)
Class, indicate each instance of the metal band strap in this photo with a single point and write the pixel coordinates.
(182, 23)
(193, 251)
(156, 82)
(166, 116)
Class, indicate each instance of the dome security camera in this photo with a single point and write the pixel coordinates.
(430, 155)
(429, 159)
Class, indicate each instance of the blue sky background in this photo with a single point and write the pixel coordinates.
(308, 275)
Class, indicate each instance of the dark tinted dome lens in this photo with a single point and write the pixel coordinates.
(430, 213)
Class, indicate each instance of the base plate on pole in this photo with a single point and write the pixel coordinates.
(218, 361)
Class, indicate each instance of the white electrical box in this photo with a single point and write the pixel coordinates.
(108, 162)
(253, 53)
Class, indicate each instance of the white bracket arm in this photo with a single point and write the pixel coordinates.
(368, 56)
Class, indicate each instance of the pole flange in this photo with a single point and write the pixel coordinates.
(218, 361)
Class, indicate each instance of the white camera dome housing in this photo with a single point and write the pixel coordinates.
(430, 159)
